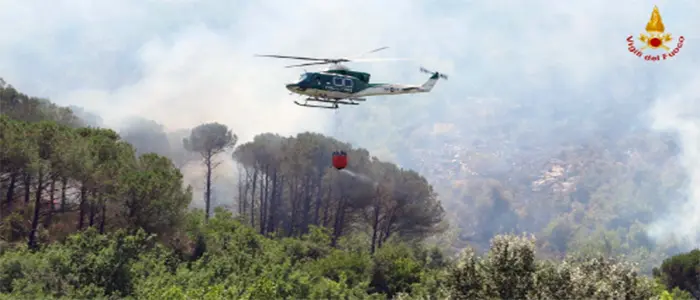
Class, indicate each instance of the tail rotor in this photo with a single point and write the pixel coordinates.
(424, 70)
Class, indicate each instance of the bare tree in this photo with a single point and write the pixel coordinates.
(209, 140)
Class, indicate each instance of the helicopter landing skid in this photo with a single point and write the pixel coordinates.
(334, 106)
(333, 103)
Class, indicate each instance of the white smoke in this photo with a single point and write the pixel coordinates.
(680, 113)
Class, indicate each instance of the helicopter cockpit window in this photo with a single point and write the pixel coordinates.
(302, 77)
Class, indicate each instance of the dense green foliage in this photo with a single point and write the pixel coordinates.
(239, 263)
(86, 214)
(681, 271)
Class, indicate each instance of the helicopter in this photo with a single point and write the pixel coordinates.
(339, 85)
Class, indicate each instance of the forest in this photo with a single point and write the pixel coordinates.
(90, 213)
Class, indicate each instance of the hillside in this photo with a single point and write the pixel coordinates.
(584, 172)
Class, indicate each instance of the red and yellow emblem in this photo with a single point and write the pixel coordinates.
(655, 39)
(655, 29)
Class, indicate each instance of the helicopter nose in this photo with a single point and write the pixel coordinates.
(293, 87)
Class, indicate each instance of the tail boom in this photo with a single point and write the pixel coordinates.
(398, 89)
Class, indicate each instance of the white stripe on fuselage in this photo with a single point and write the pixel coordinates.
(389, 89)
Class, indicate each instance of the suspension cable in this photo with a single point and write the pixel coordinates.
(338, 130)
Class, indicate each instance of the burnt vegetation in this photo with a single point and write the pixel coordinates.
(87, 212)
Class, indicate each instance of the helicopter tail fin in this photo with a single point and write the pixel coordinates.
(428, 85)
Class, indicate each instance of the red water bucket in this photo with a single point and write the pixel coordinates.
(340, 160)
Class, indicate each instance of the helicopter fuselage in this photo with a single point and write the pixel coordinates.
(345, 84)
(340, 85)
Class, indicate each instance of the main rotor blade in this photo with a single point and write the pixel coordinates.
(373, 51)
(309, 64)
(378, 49)
(378, 59)
(292, 57)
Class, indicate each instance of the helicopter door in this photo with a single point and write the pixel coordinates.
(338, 81)
(348, 84)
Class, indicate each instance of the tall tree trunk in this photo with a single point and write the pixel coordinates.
(244, 204)
(339, 220)
(388, 228)
(252, 197)
(273, 203)
(375, 224)
(37, 209)
(93, 207)
(83, 202)
(319, 198)
(131, 206)
(207, 200)
(240, 191)
(10, 195)
(64, 190)
(306, 209)
(27, 187)
(103, 216)
(52, 198)
(327, 206)
(294, 200)
(263, 199)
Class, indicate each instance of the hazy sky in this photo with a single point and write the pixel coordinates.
(185, 62)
